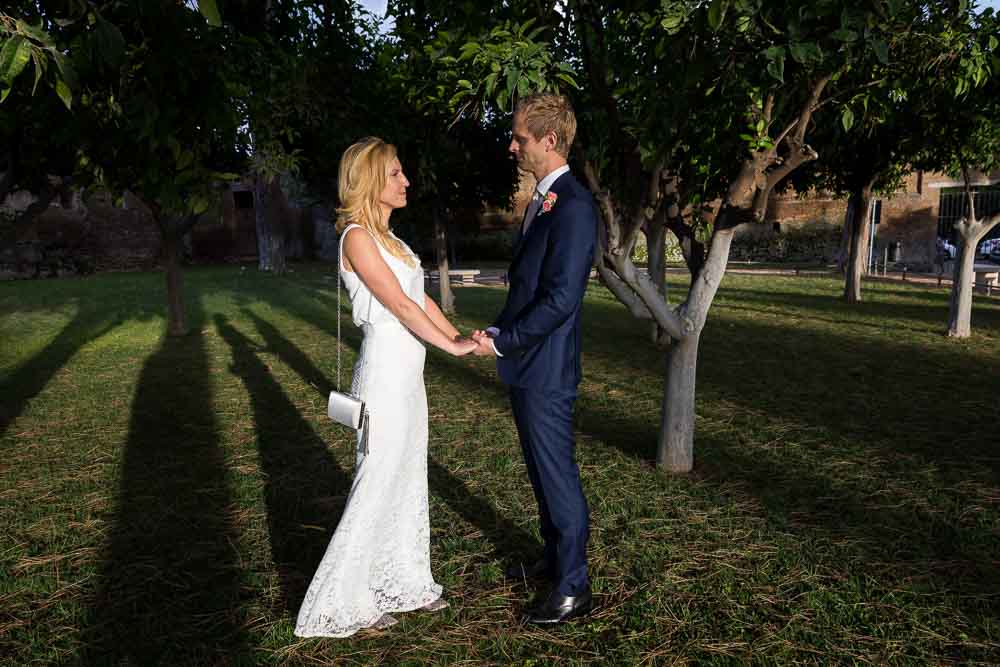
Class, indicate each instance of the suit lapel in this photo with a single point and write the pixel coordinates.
(541, 218)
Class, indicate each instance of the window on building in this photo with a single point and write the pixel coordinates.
(243, 199)
(953, 206)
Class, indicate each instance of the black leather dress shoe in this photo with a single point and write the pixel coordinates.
(559, 608)
(538, 570)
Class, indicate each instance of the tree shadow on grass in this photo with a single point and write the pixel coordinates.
(169, 587)
(23, 384)
(305, 488)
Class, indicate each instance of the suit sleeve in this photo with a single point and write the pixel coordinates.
(565, 269)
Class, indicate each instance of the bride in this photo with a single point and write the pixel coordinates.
(378, 561)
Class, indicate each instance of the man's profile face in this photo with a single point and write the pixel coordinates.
(530, 152)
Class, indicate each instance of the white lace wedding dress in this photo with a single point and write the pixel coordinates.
(378, 561)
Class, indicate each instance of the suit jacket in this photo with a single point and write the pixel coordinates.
(540, 323)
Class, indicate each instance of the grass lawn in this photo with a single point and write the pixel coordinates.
(166, 501)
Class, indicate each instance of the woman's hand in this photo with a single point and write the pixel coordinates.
(462, 346)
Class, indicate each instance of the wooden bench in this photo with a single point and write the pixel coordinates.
(464, 276)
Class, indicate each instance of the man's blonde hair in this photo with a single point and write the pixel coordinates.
(545, 112)
(363, 170)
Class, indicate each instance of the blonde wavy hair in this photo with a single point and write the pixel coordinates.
(363, 175)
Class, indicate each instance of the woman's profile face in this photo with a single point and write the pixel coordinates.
(394, 193)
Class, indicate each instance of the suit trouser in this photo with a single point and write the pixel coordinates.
(544, 421)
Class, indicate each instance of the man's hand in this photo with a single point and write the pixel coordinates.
(484, 346)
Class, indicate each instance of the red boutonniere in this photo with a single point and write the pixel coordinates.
(549, 201)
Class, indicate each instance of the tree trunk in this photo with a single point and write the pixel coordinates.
(176, 325)
(857, 265)
(844, 252)
(656, 245)
(441, 255)
(263, 232)
(277, 251)
(675, 448)
(960, 304)
(276, 213)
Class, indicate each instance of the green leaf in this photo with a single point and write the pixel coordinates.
(844, 35)
(672, 23)
(14, 56)
(199, 205)
(7, 54)
(776, 66)
(186, 158)
(4, 93)
(66, 70)
(34, 33)
(570, 81)
(993, 43)
(210, 11)
(881, 51)
(512, 76)
(743, 23)
(847, 119)
(64, 93)
(806, 52)
(777, 70)
(469, 49)
(39, 70)
(522, 87)
(716, 13)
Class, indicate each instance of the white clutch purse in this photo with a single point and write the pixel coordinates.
(349, 411)
(346, 409)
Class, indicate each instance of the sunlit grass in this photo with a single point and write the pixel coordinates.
(166, 501)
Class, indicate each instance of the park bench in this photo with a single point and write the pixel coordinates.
(986, 280)
(464, 276)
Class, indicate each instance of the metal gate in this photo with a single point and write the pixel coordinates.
(953, 206)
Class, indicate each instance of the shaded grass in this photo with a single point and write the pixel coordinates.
(167, 501)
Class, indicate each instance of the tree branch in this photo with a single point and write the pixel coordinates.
(809, 107)
(971, 198)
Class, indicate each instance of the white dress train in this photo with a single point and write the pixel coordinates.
(378, 561)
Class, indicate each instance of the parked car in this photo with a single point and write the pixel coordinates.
(990, 250)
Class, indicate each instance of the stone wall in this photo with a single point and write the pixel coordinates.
(76, 238)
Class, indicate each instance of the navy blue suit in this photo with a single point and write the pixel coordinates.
(540, 342)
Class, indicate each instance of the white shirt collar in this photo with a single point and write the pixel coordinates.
(543, 185)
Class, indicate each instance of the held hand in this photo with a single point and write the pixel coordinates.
(484, 346)
(462, 346)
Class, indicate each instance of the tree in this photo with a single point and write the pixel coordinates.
(895, 118)
(684, 103)
(139, 66)
(35, 154)
(963, 133)
(456, 160)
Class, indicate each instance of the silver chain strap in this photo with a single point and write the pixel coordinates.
(340, 260)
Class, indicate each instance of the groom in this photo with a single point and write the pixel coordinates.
(536, 340)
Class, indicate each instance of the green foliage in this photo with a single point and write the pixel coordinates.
(21, 43)
(496, 67)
